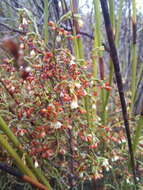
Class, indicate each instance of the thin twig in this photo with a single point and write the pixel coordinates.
(21, 176)
(12, 29)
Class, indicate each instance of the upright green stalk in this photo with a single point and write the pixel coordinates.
(111, 68)
(77, 42)
(45, 29)
(97, 40)
(134, 58)
(112, 19)
(116, 31)
(14, 155)
(140, 74)
(97, 55)
(37, 172)
(79, 53)
(8, 132)
(138, 133)
(112, 14)
(97, 36)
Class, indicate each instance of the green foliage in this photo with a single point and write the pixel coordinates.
(62, 120)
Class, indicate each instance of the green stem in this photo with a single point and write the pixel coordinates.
(138, 133)
(46, 21)
(134, 58)
(111, 68)
(20, 164)
(97, 44)
(17, 144)
(8, 132)
(79, 53)
(134, 71)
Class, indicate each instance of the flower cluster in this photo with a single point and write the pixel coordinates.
(63, 32)
(49, 111)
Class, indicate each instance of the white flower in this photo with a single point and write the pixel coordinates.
(98, 118)
(75, 148)
(81, 174)
(80, 22)
(83, 155)
(107, 169)
(106, 108)
(20, 27)
(129, 182)
(78, 85)
(28, 69)
(73, 58)
(74, 103)
(72, 62)
(61, 94)
(94, 106)
(92, 82)
(58, 39)
(122, 141)
(36, 164)
(22, 46)
(24, 21)
(94, 138)
(115, 158)
(32, 53)
(85, 93)
(57, 125)
(12, 88)
(105, 162)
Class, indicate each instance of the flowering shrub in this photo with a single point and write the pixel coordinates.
(49, 105)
